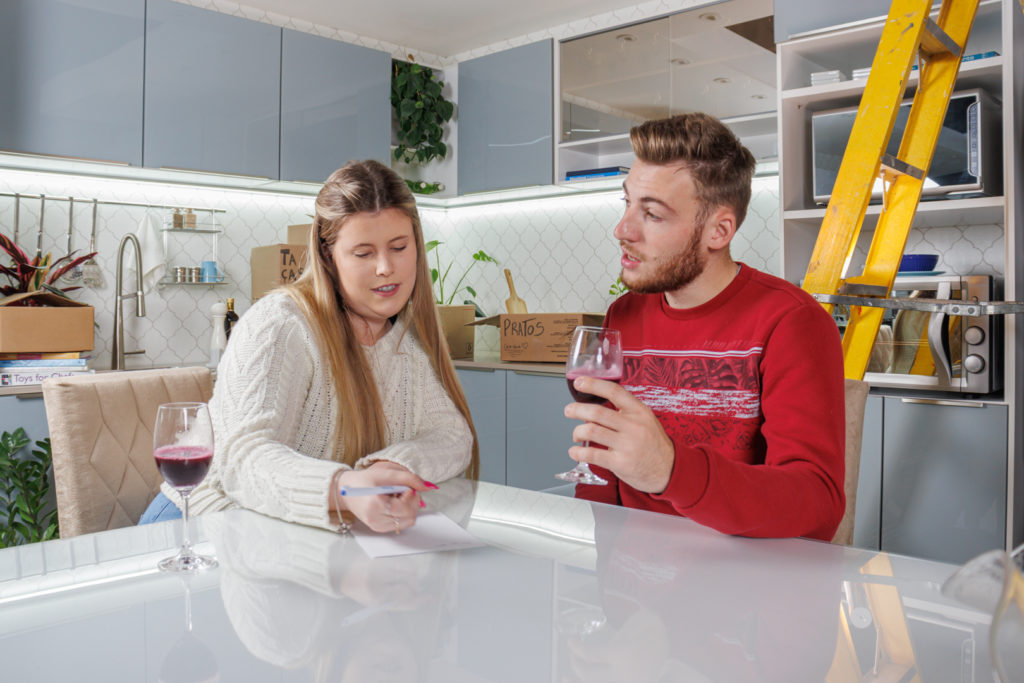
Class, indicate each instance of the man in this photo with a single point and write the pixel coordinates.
(731, 409)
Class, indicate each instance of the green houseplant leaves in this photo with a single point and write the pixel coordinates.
(439, 276)
(420, 112)
(24, 485)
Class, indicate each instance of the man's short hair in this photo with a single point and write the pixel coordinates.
(721, 167)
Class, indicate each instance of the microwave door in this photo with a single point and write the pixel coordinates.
(938, 339)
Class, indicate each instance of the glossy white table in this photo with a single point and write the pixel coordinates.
(564, 590)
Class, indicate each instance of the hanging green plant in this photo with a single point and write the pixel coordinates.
(420, 112)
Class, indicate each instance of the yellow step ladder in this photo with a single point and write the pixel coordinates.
(909, 36)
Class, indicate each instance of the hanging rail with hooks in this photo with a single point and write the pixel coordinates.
(114, 202)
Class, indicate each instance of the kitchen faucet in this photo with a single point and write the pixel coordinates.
(117, 352)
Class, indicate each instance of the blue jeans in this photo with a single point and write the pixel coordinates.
(160, 510)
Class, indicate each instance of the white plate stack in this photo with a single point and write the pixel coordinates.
(823, 77)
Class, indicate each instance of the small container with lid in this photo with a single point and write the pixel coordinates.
(195, 274)
(180, 274)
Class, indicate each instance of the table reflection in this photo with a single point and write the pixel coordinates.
(299, 598)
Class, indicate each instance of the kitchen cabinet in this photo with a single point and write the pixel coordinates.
(868, 518)
(538, 435)
(485, 393)
(335, 105)
(801, 16)
(27, 412)
(72, 78)
(212, 91)
(505, 119)
(943, 479)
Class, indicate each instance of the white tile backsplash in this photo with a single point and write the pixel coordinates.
(560, 250)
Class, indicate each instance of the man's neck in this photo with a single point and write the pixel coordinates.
(716, 277)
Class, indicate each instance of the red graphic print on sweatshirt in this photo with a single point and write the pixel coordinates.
(707, 398)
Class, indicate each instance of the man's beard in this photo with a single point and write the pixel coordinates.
(675, 273)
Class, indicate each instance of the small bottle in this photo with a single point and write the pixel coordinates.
(230, 318)
(176, 219)
(190, 219)
(218, 340)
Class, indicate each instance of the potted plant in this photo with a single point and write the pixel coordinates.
(24, 491)
(36, 315)
(420, 112)
(455, 317)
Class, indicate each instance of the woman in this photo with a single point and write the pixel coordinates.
(342, 378)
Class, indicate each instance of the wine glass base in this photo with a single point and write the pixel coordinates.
(582, 477)
(187, 563)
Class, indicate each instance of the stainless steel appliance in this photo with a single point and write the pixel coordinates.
(935, 351)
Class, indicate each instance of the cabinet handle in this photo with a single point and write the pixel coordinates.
(34, 394)
(63, 157)
(940, 402)
(474, 369)
(533, 373)
(220, 173)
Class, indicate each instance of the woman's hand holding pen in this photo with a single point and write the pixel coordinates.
(387, 512)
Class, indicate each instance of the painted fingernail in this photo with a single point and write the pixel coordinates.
(430, 484)
(422, 504)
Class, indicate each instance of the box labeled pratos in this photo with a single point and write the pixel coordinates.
(538, 337)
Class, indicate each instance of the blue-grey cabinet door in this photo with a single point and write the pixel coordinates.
(505, 119)
(538, 433)
(485, 393)
(212, 96)
(71, 78)
(335, 105)
(944, 479)
(868, 516)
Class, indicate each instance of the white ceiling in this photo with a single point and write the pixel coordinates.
(444, 28)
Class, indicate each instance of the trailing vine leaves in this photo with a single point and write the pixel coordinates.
(420, 111)
(24, 485)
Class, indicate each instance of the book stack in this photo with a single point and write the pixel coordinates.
(590, 173)
(823, 77)
(22, 369)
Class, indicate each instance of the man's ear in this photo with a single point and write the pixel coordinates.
(720, 228)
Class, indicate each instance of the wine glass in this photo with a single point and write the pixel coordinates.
(183, 450)
(594, 352)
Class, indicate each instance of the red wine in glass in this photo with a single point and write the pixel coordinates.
(594, 352)
(183, 450)
(582, 396)
(183, 467)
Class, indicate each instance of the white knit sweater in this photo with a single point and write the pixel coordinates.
(274, 406)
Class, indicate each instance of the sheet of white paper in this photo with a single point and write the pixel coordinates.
(433, 532)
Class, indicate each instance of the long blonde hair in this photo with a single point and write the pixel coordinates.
(360, 425)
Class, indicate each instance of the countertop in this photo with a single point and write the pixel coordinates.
(561, 590)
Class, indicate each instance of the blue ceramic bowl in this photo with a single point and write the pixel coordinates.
(918, 262)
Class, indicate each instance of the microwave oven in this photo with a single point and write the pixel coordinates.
(968, 155)
(935, 351)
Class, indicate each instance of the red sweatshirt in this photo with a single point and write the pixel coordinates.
(749, 388)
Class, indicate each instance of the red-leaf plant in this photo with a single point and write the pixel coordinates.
(30, 274)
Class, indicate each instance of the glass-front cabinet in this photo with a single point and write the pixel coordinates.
(719, 59)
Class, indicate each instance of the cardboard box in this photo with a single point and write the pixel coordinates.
(299, 234)
(275, 265)
(538, 337)
(60, 324)
(455, 322)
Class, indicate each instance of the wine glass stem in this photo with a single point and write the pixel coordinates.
(186, 539)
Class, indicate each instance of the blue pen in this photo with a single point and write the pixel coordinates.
(371, 490)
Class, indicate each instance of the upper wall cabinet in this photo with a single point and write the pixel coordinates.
(71, 78)
(212, 99)
(505, 119)
(335, 105)
(718, 59)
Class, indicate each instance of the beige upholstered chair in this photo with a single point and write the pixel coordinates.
(856, 398)
(101, 433)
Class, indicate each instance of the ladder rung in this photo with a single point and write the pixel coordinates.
(900, 167)
(935, 41)
(858, 289)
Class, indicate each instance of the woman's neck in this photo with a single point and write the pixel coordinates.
(368, 332)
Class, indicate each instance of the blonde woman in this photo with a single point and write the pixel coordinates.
(341, 379)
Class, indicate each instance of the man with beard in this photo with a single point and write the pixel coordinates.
(731, 409)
